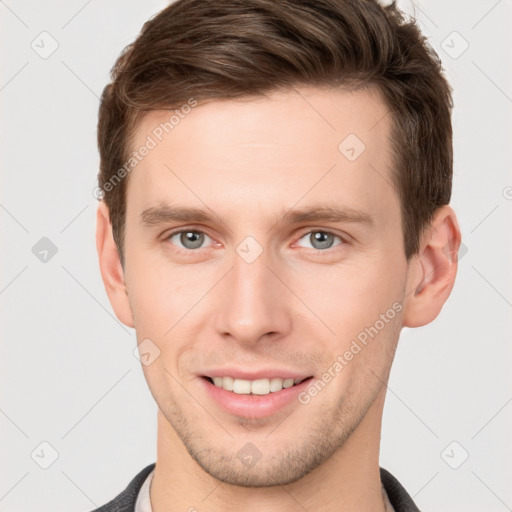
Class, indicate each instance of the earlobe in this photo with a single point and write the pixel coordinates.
(111, 269)
(432, 272)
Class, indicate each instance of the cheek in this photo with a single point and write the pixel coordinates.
(161, 294)
(350, 296)
(167, 305)
(361, 307)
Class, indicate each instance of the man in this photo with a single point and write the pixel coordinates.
(275, 179)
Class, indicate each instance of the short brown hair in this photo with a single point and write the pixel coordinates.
(234, 48)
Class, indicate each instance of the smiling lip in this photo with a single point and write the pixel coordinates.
(270, 373)
(253, 406)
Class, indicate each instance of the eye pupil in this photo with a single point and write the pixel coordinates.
(191, 239)
(321, 239)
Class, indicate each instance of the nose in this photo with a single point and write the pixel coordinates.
(254, 304)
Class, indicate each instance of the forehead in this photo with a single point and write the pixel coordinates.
(239, 156)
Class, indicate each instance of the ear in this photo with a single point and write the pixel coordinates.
(432, 271)
(110, 266)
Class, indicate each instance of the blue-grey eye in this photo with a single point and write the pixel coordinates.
(189, 239)
(321, 240)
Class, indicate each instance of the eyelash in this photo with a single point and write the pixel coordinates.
(302, 235)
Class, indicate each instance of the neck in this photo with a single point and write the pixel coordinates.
(348, 480)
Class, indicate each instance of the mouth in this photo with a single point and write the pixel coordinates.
(258, 387)
(254, 399)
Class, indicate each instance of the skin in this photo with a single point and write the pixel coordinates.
(248, 162)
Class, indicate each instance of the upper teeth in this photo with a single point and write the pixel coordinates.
(257, 387)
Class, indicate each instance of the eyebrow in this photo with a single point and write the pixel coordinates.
(329, 214)
(159, 215)
(163, 214)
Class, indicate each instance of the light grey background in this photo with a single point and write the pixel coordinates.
(69, 376)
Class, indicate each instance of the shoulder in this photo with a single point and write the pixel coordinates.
(397, 495)
(125, 502)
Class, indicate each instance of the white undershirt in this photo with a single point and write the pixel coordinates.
(143, 503)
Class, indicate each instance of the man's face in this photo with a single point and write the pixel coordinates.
(257, 290)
